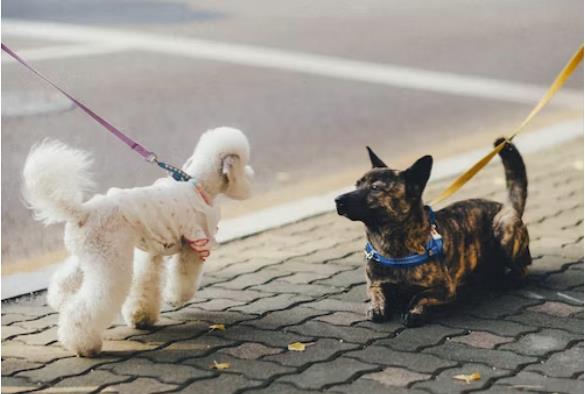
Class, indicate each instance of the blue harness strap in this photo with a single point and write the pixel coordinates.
(433, 248)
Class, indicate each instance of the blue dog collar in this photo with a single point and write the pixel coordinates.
(433, 248)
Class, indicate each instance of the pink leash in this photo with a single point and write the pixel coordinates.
(135, 146)
(151, 157)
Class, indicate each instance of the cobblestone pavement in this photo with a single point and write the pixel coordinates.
(305, 282)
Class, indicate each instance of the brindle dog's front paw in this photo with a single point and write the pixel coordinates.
(377, 315)
(411, 319)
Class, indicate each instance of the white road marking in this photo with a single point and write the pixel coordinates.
(527, 143)
(568, 297)
(325, 66)
(17, 103)
(65, 51)
(26, 282)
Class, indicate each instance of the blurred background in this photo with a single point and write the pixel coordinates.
(310, 82)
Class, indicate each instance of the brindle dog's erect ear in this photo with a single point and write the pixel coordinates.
(376, 161)
(418, 174)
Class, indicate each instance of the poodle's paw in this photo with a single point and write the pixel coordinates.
(89, 352)
(140, 317)
(178, 298)
(177, 301)
(83, 346)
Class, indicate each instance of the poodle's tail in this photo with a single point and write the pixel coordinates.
(516, 180)
(56, 177)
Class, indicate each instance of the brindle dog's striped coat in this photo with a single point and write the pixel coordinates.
(481, 237)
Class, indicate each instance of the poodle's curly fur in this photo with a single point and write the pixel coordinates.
(119, 242)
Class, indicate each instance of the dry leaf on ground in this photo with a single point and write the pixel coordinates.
(468, 378)
(219, 366)
(298, 346)
(218, 327)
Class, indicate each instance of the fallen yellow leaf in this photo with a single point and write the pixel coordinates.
(468, 378)
(298, 346)
(219, 366)
(218, 327)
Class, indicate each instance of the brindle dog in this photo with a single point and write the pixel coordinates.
(481, 238)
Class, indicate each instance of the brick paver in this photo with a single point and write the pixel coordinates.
(305, 282)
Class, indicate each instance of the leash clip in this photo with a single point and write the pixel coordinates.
(152, 158)
(369, 254)
(434, 233)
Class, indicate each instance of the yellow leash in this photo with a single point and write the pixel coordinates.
(554, 88)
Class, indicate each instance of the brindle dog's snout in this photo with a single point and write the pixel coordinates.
(348, 205)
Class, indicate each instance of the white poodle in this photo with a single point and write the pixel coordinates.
(166, 218)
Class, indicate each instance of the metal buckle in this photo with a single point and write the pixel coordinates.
(369, 254)
(434, 233)
(152, 158)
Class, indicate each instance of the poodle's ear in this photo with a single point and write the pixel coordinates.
(237, 177)
(227, 165)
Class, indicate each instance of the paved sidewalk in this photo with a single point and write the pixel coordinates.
(305, 282)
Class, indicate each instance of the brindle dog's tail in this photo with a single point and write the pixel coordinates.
(516, 180)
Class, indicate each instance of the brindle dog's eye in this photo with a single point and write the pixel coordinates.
(375, 187)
